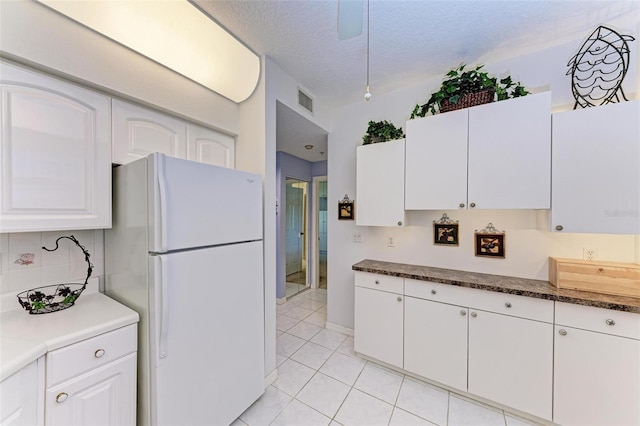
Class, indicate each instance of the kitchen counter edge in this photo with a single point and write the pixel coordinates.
(498, 283)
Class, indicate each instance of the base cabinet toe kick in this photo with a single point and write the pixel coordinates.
(562, 362)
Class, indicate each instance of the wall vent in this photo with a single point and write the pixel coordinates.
(305, 101)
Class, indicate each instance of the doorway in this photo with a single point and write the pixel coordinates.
(296, 236)
(320, 228)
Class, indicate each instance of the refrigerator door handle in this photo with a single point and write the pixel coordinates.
(162, 195)
(164, 314)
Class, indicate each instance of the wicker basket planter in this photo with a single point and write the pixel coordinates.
(468, 100)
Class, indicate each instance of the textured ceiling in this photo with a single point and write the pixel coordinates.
(410, 41)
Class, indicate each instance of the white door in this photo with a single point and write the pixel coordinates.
(55, 171)
(511, 361)
(197, 205)
(510, 154)
(211, 147)
(436, 162)
(435, 341)
(104, 397)
(597, 378)
(138, 132)
(207, 349)
(378, 325)
(294, 229)
(20, 397)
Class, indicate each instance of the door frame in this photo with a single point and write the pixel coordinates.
(315, 232)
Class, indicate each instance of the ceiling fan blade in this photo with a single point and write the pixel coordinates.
(350, 14)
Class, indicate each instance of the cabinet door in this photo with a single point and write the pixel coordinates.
(511, 361)
(56, 162)
(138, 132)
(378, 325)
(435, 341)
(597, 379)
(211, 147)
(380, 184)
(105, 396)
(596, 169)
(510, 154)
(19, 397)
(436, 162)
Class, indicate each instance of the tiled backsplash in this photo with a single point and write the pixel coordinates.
(24, 264)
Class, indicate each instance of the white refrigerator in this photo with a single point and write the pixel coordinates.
(185, 252)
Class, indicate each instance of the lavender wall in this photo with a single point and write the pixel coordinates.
(289, 166)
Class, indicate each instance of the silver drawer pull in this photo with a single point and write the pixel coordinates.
(377, 281)
(62, 397)
(433, 292)
(99, 353)
(473, 314)
(463, 312)
(399, 299)
(610, 322)
(507, 305)
(562, 332)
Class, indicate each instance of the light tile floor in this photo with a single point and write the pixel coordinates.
(322, 381)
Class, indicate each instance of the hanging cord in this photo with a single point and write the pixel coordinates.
(367, 94)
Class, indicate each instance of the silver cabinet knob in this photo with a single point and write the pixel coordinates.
(377, 281)
(473, 314)
(472, 205)
(562, 332)
(399, 299)
(559, 227)
(610, 322)
(433, 292)
(463, 312)
(99, 353)
(62, 397)
(461, 205)
(507, 305)
(399, 223)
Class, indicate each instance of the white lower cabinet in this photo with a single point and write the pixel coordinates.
(435, 341)
(20, 401)
(378, 325)
(93, 382)
(596, 373)
(511, 361)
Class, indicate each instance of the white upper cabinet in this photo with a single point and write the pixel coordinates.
(380, 184)
(493, 156)
(436, 162)
(208, 146)
(510, 154)
(138, 132)
(56, 154)
(596, 170)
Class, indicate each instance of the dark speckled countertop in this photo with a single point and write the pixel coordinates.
(499, 283)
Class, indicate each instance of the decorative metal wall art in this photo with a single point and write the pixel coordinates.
(489, 242)
(445, 231)
(346, 209)
(599, 67)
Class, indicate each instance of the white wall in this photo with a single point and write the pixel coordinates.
(527, 248)
(33, 34)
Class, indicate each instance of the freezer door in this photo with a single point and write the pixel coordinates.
(207, 361)
(198, 205)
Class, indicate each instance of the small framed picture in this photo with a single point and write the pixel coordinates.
(445, 234)
(345, 209)
(489, 245)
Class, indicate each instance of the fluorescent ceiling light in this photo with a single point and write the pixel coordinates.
(177, 35)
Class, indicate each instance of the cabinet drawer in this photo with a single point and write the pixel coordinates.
(617, 323)
(380, 282)
(86, 355)
(501, 303)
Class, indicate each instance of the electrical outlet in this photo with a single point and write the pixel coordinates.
(391, 242)
(589, 253)
(357, 237)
